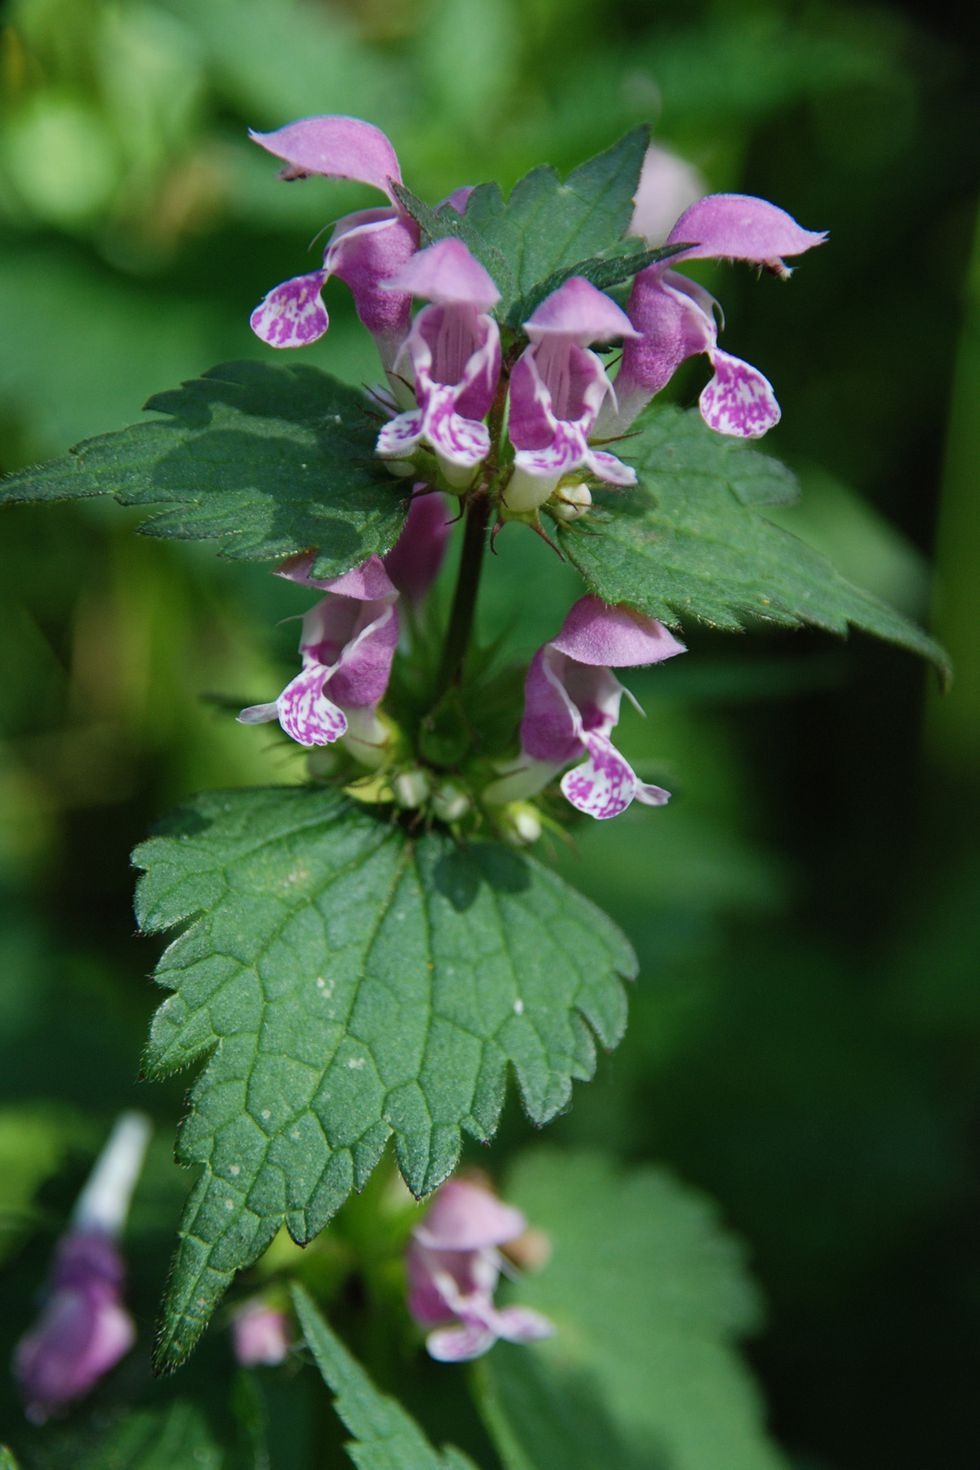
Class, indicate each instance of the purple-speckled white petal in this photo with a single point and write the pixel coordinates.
(400, 437)
(605, 785)
(458, 441)
(581, 312)
(607, 467)
(741, 227)
(739, 400)
(614, 637)
(336, 147)
(292, 314)
(305, 712)
(446, 273)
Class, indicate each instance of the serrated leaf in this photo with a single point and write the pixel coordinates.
(689, 542)
(386, 1437)
(648, 1296)
(268, 459)
(546, 230)
(349, 984)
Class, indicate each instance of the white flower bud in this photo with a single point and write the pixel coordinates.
(571, 501)
(411, 788)
(450, 801)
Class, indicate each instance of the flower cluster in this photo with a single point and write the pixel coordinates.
(514, 422)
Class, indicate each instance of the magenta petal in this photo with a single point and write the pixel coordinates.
(458, 199)
(337, 147)
(447, 274)
(741, 227)
(361, 677)
(414, 561)
(364, 251)
(581, 312)
(739, 400)
(260, 1335)
(292, 315)
(550, 726)
(605, 785)
(305, 712)
(460, 441)
(466, 1217)
(614, 637)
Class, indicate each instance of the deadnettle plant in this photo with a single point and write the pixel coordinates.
(363, 955)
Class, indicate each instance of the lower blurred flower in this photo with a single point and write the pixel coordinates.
(454, 1265)
(84, 1328)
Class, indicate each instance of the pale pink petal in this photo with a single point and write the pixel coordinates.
(522, 1324)
(305, 712)
(336, 147)
(260, 1335)
(741, 227)
(368, 582)
(259, 714)
(668, 184)
(581, 312)
(459, 1344)
(739, 400)
(648, 795)
(465, 1216)
(458, 199)
(614, 636)
(292, 314)
(446, 273)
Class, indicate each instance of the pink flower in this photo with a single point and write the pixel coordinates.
(84, 1328)
(675, 316)
(260, 1334)
(454, 1264)
(365, 249)
(453, 354)
(347, 646)
(557, 388)
(571, 706)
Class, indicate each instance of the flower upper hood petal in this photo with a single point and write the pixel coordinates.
(447, 274)
(581, 312)
(741, 227)
(336, 147)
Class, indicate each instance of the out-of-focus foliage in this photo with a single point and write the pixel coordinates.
(804, 1036)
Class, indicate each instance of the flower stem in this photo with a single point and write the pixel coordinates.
(464, 598)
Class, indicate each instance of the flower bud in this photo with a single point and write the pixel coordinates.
(571, 501)
(411, 788)
(451, 801)
(520, 823)
(260, 1334)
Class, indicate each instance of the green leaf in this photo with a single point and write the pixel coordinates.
(546, 230)
(386, 1437)
(161, 1438)
(349, 984)
(268, 459)
(648, 1296)
(688, 542)
(7, 1461)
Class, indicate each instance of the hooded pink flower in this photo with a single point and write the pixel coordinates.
(453, 354)
(454, 1264)
(347, 646)
(557, 388)
(675, 317)
(571, 706)
(84, 1328)
(365, 249)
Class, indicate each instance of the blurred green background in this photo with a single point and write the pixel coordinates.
(806, 1030)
